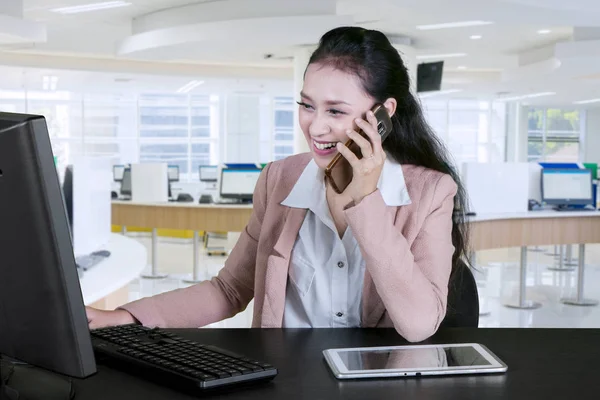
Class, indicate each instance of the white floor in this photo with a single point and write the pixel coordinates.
(498, 283)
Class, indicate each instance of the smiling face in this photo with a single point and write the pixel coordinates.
(330, 102)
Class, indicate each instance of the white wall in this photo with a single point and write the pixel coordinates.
(591, 151)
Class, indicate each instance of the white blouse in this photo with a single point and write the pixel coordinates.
(326, 272)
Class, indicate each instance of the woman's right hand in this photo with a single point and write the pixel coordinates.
(101, 318)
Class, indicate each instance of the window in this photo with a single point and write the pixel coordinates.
(554, 134)
(472, 130)
(283, 125)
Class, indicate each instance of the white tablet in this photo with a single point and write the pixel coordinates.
(413, 360)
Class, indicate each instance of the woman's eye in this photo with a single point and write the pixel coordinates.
(304, 105)
(336, 112)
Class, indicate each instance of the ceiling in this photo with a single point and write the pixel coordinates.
(230, 38)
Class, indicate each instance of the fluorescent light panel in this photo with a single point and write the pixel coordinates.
(528, 96)
(590, 101)
(189, 86)
(450, 25)
(90, 7)
(439, 93)
(440, 56)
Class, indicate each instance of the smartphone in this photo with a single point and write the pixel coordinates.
(339, 170)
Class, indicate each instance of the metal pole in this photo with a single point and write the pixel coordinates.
(154, 274)
(580, 300)
(196, 273)
(561, 262)
(570, 262)
(123, 230)
(555, 253)
(523, 304)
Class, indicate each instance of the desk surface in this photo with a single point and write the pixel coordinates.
(542, 364)
(176, 204)
(126, 262)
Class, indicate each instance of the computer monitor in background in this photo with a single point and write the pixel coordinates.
(126, 183)
(209, 173)
(429, 76)
(118, 171)
(567, 187)
(239, 183)
(43, 320)
(173, 173)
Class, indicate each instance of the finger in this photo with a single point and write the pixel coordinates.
(374, 133)
(348, 154)
(365, 145)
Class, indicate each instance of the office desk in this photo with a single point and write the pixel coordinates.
(105, 285)
(184, 216)
(534, 228)
(542, 364)
(489, 231)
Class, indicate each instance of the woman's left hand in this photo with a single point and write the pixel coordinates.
(365, 171)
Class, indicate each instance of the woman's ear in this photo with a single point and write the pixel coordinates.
(390, 105)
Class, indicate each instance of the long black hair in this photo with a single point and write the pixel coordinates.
(370, 55)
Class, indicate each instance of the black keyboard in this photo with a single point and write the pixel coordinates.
(168, 359)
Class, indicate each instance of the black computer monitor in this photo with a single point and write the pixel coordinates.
(126, 183)
(429, 76)
(209, 173)
(567, 187)
(67, 190)
(173, 173)
(42, 315)
(118, 172)
(239, 183)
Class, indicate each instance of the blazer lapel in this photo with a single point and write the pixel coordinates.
(277, 269)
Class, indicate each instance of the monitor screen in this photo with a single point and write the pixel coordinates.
(209, 173)
(173, 173)
(118, 172)
(429, 76)
(567, 186)
(239, 183)
(126, 182)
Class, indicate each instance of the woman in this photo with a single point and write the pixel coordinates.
(378, 255)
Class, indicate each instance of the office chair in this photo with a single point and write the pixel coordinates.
(463, 300)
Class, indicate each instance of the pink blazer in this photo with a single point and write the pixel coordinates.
(408, 253)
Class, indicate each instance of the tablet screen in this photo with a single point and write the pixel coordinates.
(411, 358)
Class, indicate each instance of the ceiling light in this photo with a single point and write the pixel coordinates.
(461, 24)
(475, 37)
(90, 7)
(189, 86)
(439, 93)
(587, 101)
(527, 96)
(544, 31)
(440, 56)
(461, 67)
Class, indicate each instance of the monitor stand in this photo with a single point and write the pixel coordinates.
(25, 382)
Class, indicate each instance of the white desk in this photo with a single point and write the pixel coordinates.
(105, 285)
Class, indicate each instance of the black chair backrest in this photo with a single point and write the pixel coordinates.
(463, 300)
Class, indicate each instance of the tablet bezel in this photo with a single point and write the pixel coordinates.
(341, 372)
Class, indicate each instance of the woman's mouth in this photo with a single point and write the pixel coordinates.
(324, 148)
